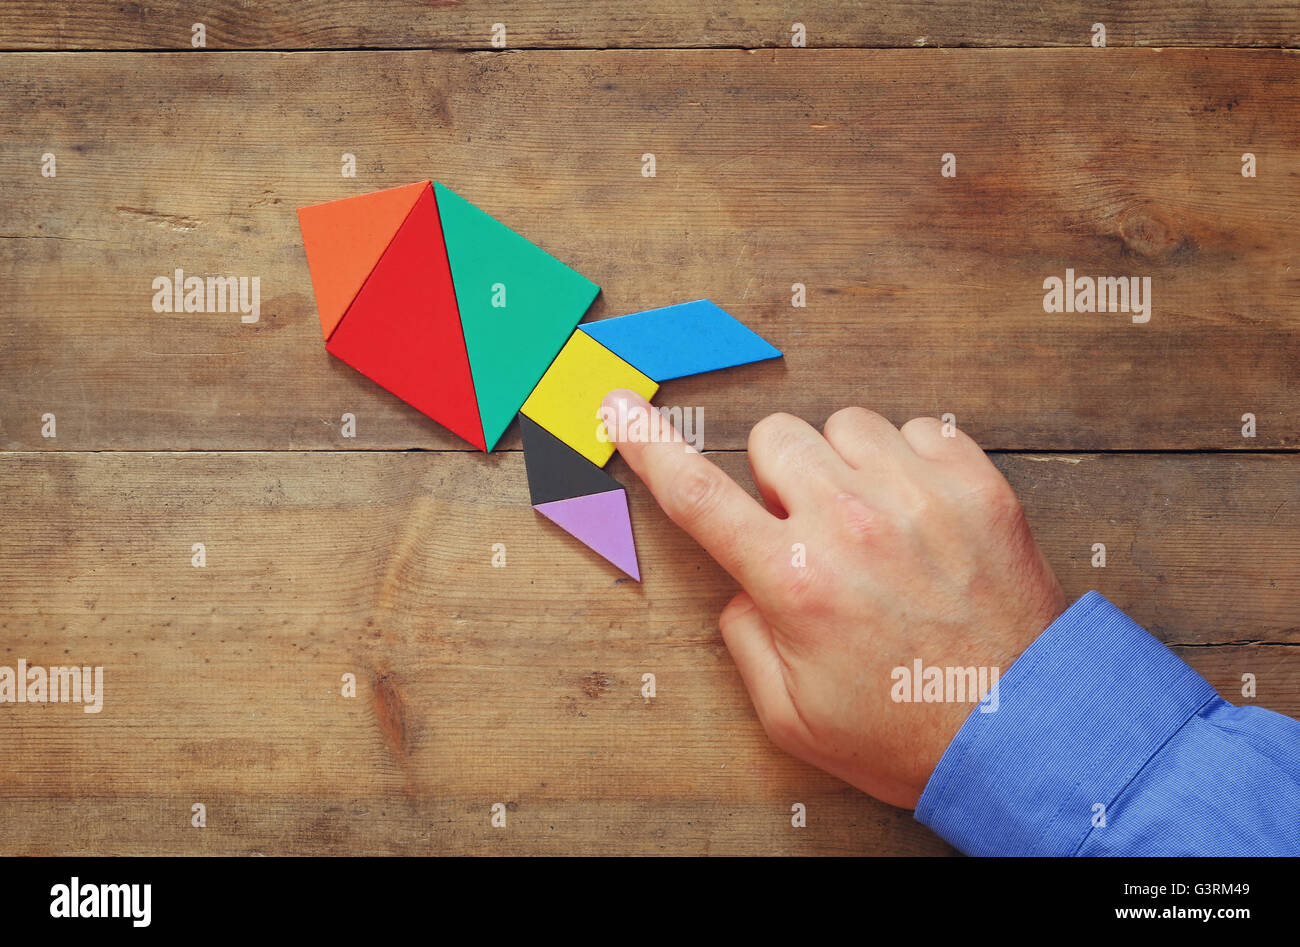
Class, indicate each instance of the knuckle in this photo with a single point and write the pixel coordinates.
(849, 419)
(909, 504)
(771, 431)
(861, 523)
(919, 505)
(786, 442)
(996, 500)
(926, 435)
(858, 423)
(696, 494)
(923, 426)
(1001, 498)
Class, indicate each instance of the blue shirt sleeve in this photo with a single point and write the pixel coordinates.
(1104, 742)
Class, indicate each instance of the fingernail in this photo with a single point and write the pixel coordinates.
(618, 399)
(613, 412)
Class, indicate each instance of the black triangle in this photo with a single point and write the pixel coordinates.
(555, 470)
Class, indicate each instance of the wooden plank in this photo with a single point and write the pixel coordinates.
(925, 294)
(479, 685)
(167, 24)
(1200, 548)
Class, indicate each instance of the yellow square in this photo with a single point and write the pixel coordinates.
(567, 400)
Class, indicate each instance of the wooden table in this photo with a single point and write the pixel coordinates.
(372, 556)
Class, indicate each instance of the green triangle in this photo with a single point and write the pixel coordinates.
(511, 346)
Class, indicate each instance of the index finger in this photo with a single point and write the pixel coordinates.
(715, 510)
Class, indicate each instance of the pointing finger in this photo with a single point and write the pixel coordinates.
(731, 526)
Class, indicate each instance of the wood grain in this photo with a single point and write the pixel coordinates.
(274, 24)
(821, 167)
(519, 684)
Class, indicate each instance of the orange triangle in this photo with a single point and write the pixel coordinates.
(344, 239)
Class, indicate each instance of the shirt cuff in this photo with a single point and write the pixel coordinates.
(1078, 716)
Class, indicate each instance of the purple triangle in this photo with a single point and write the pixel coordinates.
(602, 522)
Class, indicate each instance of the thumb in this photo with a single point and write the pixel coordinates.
(749, 639)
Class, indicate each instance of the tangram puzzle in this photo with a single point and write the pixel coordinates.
(470, 323)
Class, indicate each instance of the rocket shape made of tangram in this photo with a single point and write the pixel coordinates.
(473, 325)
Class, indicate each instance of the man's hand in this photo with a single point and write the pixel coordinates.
(914, 548)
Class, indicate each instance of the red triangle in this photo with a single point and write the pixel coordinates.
(403, 329)
(344, 239)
